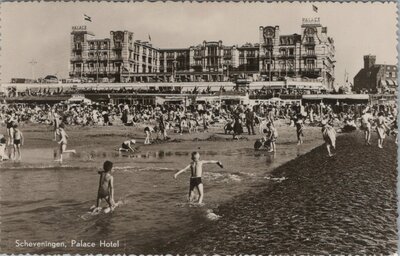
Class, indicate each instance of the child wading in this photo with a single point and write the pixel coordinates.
(106, 186)
(196, 168)
(63, 142)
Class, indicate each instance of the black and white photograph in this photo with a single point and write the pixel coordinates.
(198, 128)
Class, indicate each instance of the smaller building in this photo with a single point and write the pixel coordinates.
(376, 78)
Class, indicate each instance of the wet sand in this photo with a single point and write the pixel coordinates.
(345, 204)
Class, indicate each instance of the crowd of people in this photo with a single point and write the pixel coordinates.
(163, 119)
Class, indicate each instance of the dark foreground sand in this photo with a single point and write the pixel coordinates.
(346, 204)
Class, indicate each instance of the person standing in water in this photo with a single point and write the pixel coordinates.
(56, 122)
(196, 168)
(273, 136)
(106, 187)
(148, 130)
(63, 142)
(299, 129)
(18, 142)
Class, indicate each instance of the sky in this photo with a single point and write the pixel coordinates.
(40, 31)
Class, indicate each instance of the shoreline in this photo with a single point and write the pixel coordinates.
(334, 205)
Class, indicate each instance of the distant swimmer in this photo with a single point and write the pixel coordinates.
(148, 131)
(127, 146)
(196, 167)
(106, 186)
(63, 142)
(18, 142)
(329, 135)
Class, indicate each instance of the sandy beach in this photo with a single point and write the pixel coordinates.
(316, 205)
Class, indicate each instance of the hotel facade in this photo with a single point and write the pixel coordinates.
(307, 56)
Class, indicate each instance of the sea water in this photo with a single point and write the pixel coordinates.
(46, 203)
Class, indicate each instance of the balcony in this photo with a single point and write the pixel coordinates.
(76, 58)
(309, 43)
(312, 72)
(286, 56)
(309, 55)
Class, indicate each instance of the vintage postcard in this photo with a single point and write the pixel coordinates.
(229, 128)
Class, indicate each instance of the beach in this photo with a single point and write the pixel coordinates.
(317, 205)
(47, 203)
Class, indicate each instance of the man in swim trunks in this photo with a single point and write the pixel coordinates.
(106, 186)
(196, 167)
(18, 142)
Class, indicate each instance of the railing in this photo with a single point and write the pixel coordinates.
(309, 55)
(76, 58)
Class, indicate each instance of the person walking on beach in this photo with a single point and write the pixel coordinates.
(106, 187)
(366, 119)
(329, 135)
(63, 142)
(162, 126)
(381, 128)
(196, 168)
(18, 142)
(250, 116)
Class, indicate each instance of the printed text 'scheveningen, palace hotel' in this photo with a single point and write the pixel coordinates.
(309, 56)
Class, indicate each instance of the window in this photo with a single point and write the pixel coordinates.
(291, 51)
(310, 64)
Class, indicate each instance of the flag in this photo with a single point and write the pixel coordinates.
(149, 38)
(315, 8)
(87, 18)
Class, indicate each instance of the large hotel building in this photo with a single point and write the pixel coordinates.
(309, 55)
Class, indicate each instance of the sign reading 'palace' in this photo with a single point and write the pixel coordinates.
(79, 28)
(311, 21)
